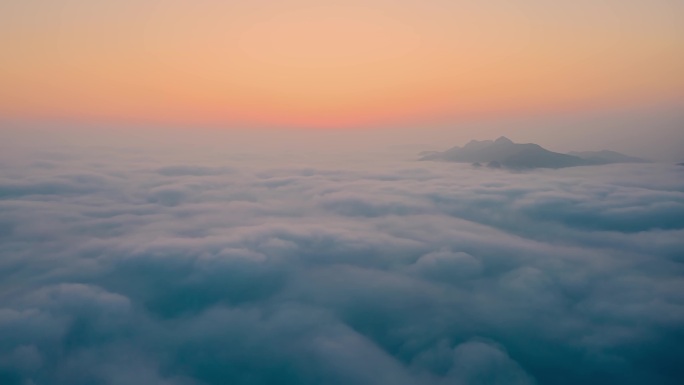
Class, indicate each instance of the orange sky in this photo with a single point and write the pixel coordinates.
(332, 63)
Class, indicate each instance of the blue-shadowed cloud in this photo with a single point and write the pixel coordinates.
(127, 269)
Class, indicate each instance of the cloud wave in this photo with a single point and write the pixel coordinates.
(133, 270)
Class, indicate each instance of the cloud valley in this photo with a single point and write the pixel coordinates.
(123, 268)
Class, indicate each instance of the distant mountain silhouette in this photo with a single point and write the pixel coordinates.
(503, 152)
(606, 157)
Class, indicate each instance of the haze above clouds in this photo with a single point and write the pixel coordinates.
(123, 266)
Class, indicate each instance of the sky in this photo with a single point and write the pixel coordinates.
(212, 191)
(334, 64)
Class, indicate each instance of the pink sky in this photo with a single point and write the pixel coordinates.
(350, 64)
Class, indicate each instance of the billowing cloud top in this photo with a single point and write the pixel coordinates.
(120, 268)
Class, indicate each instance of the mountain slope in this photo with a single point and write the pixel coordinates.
(606, 157)
(503, 152)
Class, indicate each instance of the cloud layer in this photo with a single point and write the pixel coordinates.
(123, 268)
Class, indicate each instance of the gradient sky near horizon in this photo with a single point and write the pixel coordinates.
(333, 63)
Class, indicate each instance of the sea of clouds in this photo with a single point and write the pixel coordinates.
(122, 267)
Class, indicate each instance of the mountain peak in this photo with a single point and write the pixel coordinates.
(506, 153)
(477, 144)
(503, 152)
(502, 140)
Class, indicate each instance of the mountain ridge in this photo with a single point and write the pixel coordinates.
(503, 152)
